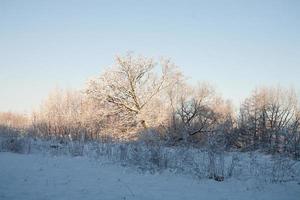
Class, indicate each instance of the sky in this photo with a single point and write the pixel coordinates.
(235, 45)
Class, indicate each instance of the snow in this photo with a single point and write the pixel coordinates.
(43, 177)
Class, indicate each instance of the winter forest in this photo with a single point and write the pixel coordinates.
(150, 100)
(143, 100)
(142, 113)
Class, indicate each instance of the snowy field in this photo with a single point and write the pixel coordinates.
(42, 177)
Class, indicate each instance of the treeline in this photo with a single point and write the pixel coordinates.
(142, 99)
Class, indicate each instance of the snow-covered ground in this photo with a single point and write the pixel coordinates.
(37, 176)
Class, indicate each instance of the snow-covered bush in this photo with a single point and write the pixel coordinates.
(156, 158)
(282, 169)
(15, 144)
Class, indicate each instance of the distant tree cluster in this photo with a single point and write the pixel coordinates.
(270, 118)
(13, 120)
(142, 99)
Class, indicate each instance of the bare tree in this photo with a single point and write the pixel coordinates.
(194, 110)
(202, 112)
(133, 89)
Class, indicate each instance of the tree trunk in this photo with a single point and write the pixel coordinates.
(144, 124)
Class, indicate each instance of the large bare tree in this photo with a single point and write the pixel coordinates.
(133, 87)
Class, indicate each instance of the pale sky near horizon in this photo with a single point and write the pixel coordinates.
(236, 45)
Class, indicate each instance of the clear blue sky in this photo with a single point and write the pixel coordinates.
(235, 45)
